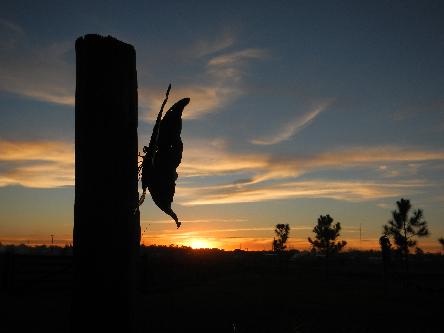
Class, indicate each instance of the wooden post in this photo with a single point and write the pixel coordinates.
(106, 218)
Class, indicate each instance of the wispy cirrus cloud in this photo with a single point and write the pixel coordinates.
(10, 34)
(45, 73)
(339, 190)
(52, 151)
(44, 164)
(217, 82)
(39, 72)
(215, 158)
(253, 177)
(202, 220)
(291, 128)
(205, 47)
(263, 177)
(209, 232)
(204, 99)
(234, 58)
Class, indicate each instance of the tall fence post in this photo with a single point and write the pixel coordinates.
(106, 219)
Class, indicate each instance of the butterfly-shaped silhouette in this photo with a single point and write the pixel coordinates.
(162, 157)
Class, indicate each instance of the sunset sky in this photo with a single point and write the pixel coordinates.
(298, 108)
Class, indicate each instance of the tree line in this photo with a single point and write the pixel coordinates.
(400, 234)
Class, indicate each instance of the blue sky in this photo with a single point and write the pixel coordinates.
(298, 108)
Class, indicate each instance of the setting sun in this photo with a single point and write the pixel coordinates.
(200, 244)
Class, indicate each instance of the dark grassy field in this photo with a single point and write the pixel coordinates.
(213, 291)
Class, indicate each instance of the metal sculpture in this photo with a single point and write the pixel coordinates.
(163, 155)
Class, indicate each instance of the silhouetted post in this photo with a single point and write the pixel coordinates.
(106, 218)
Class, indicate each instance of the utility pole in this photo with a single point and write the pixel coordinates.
(106, 217)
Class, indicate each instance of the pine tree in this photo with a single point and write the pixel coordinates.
(282, 232)
(405, 229)
(325, 240)
(326, 234)
(441, 241)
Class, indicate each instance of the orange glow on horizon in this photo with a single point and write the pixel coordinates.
(200, 244)
(256, 244)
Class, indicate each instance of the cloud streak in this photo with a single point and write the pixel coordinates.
(44, 164)
(212, 159)
(205, 99)
(235, 58)
(264, 177)
(203, 48)
(344, 190)
(208, 220)
(217, 82)
(41, 73)
(254, 177)
(291, 128)
(10, 34)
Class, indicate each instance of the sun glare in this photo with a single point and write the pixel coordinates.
(200, 244)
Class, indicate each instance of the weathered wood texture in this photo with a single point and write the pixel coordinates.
(106, 218)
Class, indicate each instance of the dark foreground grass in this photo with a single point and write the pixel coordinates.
(208, 291)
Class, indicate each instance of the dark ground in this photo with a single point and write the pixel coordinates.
(214, 291)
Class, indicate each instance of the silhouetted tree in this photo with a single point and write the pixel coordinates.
(326, 234)
(404, 229)
(419, 251)
(282, 231)
(386, 248)
(441, 241)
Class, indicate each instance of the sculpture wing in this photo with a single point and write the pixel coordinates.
(163, 161)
